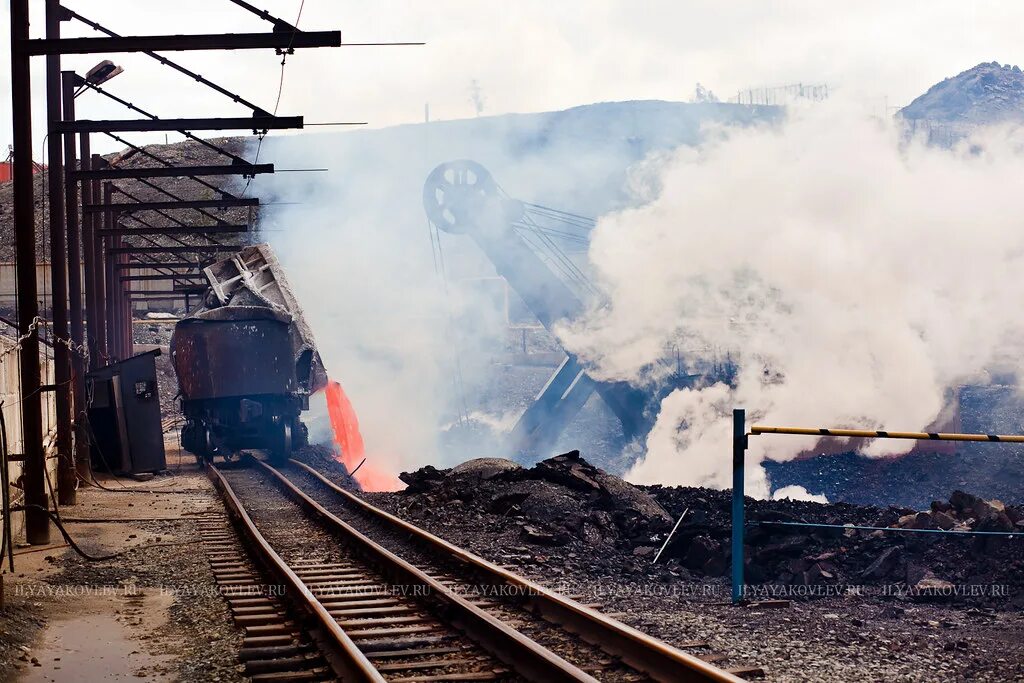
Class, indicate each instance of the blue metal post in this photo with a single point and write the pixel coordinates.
(739, 447)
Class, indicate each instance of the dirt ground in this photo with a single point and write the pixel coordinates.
(149, 614)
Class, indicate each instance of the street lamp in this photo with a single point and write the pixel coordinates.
(101, 73)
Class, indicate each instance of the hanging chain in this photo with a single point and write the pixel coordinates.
(36, 321)
(80, 350)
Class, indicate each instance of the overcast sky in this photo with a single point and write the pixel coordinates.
(532, 55)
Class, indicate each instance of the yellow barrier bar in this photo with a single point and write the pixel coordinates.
(872, 434)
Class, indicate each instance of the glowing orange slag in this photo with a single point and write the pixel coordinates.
(346, 435)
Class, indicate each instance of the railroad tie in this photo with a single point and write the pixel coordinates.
(409, 625)
(492, 675)
(272, 650)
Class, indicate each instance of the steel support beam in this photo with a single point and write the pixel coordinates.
(89, 254)
(75, 308)
(139, 265)
(113, 286)
(97, 259)
(104, 276)
(115, 296)
(130, 207)
(186, 249)
(178, 230)
(739, 449)
(128, 343)
(37, 521)
(176, 172)
(148, 125)
(66, 475)
(221, 41)
(128, 330)
(163, 276)
(163, 292)
(160, 297)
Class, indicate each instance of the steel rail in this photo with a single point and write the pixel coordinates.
(527, 657)
(656, 658)
(353, 663)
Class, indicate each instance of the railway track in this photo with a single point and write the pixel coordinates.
(384, 600)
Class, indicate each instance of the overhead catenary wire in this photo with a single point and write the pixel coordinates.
(213, 241)
(164, 162)
(280, 81)
(173, 220)
(28, 299)
(150, 184)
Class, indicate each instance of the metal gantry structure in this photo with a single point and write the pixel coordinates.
(92, 305)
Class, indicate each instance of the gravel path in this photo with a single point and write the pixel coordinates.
(194, 626)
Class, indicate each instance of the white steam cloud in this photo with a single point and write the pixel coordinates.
(797, 493)
(853, 276)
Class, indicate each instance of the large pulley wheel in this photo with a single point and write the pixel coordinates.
(453, 193)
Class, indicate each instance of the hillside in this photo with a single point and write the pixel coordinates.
(985, 94)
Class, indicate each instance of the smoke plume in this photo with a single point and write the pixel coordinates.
(854, 276)
(399, 313)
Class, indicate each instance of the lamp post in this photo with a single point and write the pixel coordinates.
(95, 278)
(71, 407)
